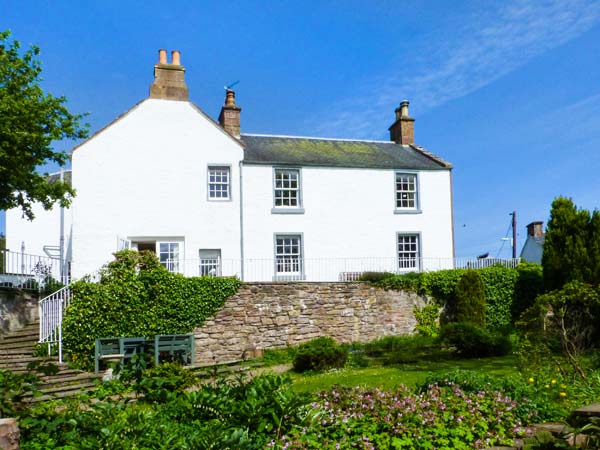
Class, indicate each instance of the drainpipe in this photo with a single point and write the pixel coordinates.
(62, 235)
(241, 223)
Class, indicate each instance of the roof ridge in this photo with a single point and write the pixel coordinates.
(317, 138)
(431, 156)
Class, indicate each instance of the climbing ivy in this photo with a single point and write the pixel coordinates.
(136, 296)
(498, 282)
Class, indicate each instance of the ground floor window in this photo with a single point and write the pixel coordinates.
(408, 251)
(168, 255)
(169, 252)
(288, 256)
(210, 262)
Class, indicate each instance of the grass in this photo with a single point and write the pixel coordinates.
(407, 374)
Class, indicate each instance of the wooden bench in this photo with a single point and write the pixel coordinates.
(117, 349)
(170, 347)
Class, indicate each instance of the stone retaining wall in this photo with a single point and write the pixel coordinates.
(271, 315)
(9, 434)
(17, 308)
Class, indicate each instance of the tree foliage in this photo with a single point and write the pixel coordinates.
(30, 120)
(571, 246)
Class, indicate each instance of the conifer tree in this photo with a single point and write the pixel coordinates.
(567, 245)
(470, 299)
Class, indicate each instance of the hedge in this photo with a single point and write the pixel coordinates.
(136, 296)
(506, 289)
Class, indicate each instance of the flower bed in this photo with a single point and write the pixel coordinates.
(441, 417)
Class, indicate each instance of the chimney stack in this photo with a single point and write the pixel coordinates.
(402, 130)
(229, 118)
(535, 229)
(169, 79)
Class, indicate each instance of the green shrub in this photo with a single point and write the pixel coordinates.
(240, 414)
(472, 341)
(499, 290)
(374, 277)
(529, 285)
(320, 354)
(15, 386)
(470, 300)
(162, 382)
(136, 296)
(392, 350)
(427, 319)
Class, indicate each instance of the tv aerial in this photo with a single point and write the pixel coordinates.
(230, 86)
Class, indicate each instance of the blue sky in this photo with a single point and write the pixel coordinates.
(508, 91)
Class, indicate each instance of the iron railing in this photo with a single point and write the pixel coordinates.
(24, 271)
(51, 312)
(322, 269)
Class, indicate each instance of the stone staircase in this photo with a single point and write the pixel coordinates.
(16, 353)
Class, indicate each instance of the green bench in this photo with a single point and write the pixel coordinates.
(172, 347)
(163, 347)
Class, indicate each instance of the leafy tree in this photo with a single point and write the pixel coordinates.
(30, 120)
(567, 319)
(470, 299)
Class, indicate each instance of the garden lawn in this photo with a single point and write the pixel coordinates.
(409, 375)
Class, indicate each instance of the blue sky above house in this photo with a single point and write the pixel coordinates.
(508, 91)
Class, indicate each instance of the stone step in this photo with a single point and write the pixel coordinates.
(16, 361)
(65, 390)
(32, 335)
(15, 345)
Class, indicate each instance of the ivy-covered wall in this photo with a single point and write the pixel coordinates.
(508, 291)
(136, 296)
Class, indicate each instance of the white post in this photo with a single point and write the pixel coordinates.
(60, 317)
(22, 257)
(62, 236)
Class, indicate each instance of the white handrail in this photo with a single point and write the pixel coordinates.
(51, 309)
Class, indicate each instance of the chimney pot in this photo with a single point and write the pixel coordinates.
(404, 108)
(176, 57)
(162, 56)
(230, 98)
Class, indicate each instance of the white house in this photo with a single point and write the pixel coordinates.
(534, 244)
(206, 199)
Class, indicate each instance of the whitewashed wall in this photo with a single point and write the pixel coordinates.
(349, 214)
(146, 176)
(35, 234)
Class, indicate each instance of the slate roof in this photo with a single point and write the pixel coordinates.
(305, 151)
(56, 177)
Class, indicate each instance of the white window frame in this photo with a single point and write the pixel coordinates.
(406, 262)
(290, 260)
(209, 262)
(220, 168)
(405, 195)
(287, 209)
(174, 265)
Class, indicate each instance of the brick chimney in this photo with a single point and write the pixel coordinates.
(169, 79)
(535, 229)
(402, 130)
(229, 118)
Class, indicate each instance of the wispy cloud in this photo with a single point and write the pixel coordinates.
(490, 44)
